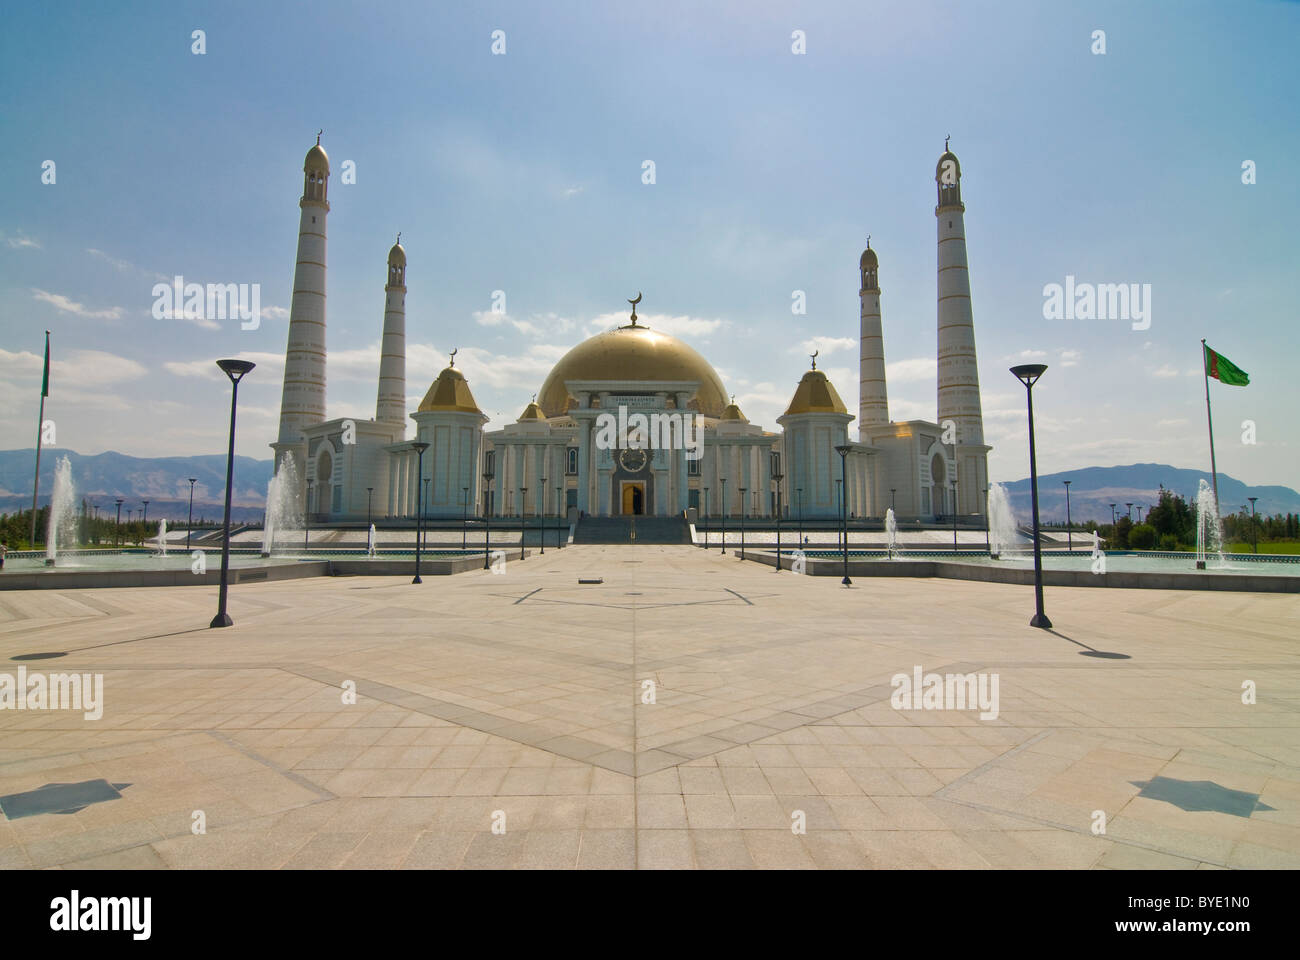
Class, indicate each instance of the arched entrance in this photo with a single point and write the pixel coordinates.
(633, 499)
(938, 481)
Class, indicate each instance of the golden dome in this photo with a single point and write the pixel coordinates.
(316, 159)
(633, 353)
(449, 393)
(397, 255)
(733, 413)
(815, 394)
(947, 155)
(532, 412)
(868, 259)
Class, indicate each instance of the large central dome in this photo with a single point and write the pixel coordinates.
(631, 354)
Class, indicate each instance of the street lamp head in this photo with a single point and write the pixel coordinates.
(1067, 482)
(419, 446)
(843, 449)
(193, 479)
(235, 369)
(1028, 373)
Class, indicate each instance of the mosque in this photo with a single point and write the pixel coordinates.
(718, 464)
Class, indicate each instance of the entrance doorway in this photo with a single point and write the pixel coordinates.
(633, 499)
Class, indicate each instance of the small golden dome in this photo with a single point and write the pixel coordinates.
(397, 255)
(316, 160)
(633, 353)
(532, 412)
(868, 259)
(733, 413)
(815, 394)
(938, 167)
(449, 393)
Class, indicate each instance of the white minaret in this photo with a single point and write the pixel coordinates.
(303, 400)
(873, 398)
(390, 407)
(959, 380)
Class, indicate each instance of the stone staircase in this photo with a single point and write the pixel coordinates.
(632, 530)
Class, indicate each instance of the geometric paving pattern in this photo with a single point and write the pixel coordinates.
(525, 699)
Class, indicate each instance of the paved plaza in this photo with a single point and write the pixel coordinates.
(689, 711)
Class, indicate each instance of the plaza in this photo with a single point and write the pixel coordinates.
(689, 710)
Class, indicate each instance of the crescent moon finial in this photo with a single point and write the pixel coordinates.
(453, 355)
(634, 303)
(814, 357)
(318, 133)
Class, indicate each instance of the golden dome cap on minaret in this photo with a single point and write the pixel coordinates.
(947, 155)
(317, 158)
(868, 258)
(449, 393)
(397, 255)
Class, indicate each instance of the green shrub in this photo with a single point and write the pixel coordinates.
(1142, 536)
(1168, 542)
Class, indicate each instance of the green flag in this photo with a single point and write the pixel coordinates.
(1224, 370)
(45, 382)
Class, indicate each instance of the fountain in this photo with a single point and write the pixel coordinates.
(1001, 521)
(1209, 532)
(891, 531)
(61, 533)
(370, 542)
(162, 538)
(283, 505)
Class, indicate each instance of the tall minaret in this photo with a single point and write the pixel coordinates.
(959, 382)
(390, 408)
(303, 400)
(873, 399)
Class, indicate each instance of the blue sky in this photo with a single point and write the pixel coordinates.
(522, 173)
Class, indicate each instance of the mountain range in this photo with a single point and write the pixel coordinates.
(103, 477)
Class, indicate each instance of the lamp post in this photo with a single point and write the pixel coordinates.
(706, 518)
(464, 517)
(559, 518)
(487, 518)
(954, 514)
(800, 489)
(839, 539)
(777, 478)
(1254, 531)
(541, 517)
(235, 370)
(1069, 532)
(1130, 512)
(306, 518)
(419, 446)
(144, 518)
(1112, 517)
(743, 490)
(843, 451)
(189, 524)
(117, 534)
(892, 490)
(1028, 374)
(723, 481)
(369, 499)
(523, 519)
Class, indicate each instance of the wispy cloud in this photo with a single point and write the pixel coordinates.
(20, 241)
(67, 305)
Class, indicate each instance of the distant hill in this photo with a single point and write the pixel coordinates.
(101, 478)
(1094, 489)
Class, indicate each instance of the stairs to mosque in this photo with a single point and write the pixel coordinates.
(632, 530)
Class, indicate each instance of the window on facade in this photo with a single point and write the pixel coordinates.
(571, 461)
(693, 468)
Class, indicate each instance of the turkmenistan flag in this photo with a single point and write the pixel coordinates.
(1224, 370)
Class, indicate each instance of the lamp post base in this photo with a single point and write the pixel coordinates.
(221, 620)
(417, 579)
(847, 582)
(1040, 620)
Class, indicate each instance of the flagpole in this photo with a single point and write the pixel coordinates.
(1214, 470)
(40, 420)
